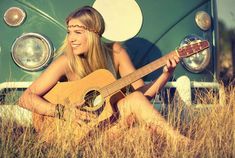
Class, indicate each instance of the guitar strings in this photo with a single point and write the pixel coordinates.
(91, 95)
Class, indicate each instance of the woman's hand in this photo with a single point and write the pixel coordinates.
(171, 64)
(84, 116)
(81, 116)
(75, 113)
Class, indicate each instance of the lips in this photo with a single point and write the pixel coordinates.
(75, 45)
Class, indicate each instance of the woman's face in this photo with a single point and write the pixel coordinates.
(77, 37)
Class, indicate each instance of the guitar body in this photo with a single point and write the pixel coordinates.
(73, 92)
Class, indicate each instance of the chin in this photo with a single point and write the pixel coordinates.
(78, 53)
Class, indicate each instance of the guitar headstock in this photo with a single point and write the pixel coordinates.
(192, 48)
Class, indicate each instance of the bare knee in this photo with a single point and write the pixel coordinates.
(23, 100)
(133, 103)
(136, 97)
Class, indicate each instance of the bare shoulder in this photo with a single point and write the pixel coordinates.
(56, 69)
(62, 60)
(119, 52)
(60, 63)
(118, 48)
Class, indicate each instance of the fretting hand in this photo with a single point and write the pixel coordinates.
(171, 64)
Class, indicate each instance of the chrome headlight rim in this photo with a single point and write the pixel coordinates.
(48, 44)
(206, 62)
(20, 21)
(203, 20)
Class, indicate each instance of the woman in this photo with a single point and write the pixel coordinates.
(84, 52)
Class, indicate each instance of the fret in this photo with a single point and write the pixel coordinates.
(191, 49)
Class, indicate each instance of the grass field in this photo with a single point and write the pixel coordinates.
(211, 130)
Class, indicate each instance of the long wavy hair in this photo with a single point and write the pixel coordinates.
(98, 53)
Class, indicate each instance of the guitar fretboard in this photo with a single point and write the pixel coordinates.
(136, 75)
(184, 51)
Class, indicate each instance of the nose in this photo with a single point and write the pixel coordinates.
(71, 38)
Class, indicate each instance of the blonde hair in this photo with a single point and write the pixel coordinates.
(98, 54)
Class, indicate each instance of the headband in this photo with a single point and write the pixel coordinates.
(84, 27)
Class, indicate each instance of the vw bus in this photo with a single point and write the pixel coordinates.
(32, 31)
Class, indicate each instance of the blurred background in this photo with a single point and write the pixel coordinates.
(226, 15)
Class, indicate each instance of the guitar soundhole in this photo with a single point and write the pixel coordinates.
(93, 101)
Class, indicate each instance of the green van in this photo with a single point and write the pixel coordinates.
(32, 31)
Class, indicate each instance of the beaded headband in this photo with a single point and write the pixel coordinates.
(84, 27)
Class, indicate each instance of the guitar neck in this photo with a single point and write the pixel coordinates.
(136, 75)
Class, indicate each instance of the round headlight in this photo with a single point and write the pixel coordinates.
(14, 16)
(203, 20)
(197, 62)
(32, 51)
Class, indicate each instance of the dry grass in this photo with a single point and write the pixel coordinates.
(211, 129)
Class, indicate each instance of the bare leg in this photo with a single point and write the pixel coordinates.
(138, 105)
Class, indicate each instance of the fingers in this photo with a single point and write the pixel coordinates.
(171, 64)
(78, 105)
(165, 69)
(85, 116)
(177, 59)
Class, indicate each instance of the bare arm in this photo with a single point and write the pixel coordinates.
(155, 87)
(32, 99)
(124, 64)
(125, 67)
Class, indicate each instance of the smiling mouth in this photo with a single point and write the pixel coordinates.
(75, 45)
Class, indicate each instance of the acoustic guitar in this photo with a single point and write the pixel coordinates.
(100, 91)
